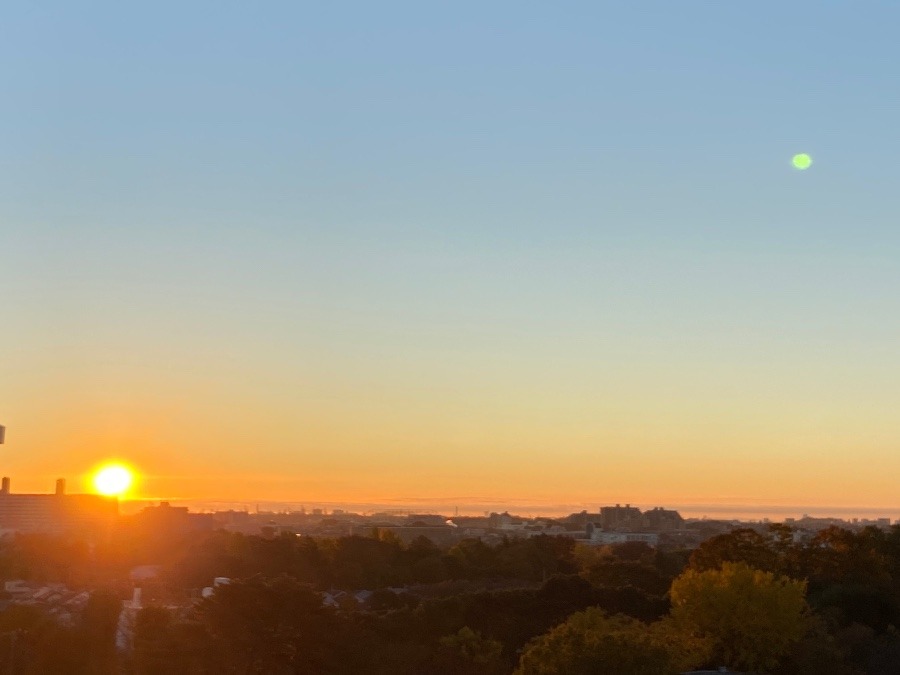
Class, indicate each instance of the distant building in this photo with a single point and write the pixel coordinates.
(598, 536)
(626, 518)
(662, 520)
(231, 518)
(173, 519)
(56, 513)
(504, 521)
(425, 519)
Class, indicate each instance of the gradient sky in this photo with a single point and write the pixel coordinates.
(510, 250)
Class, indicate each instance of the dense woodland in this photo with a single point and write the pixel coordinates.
(755, 602)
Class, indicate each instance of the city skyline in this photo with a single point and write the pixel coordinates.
(505, 253)
(726, 510)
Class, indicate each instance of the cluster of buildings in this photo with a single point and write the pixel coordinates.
(58, 601)
(613, 524)
(95, 516)
(609, 525)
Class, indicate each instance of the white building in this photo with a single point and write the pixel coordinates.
(599, 537)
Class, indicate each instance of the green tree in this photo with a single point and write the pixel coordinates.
(617, 573)
(274, 626)
(817, 653)
(634, 551)
(591, 642)
(472, 558)
(467, 652)
(751, 617)
(364, 562)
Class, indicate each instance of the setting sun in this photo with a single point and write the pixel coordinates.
(113, 480)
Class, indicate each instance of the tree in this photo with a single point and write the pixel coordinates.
(151, 636)
(272, 626)
(472, 558)
(850, 578)
(592, 642)
(468, 652)
(752, 617)
(818, 653)
(363, 562)
(742, 545)
(633, 551)
(99, 623)
(613, 573)
(384, 599)
(842, 556)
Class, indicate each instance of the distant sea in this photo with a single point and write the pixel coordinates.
(468, 507)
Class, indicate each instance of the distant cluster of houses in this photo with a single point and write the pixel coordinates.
(58, 601)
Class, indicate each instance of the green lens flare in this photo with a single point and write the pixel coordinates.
(802, 161)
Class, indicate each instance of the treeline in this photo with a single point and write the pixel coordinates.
(379, 561)
(262, 625)
(755, 601)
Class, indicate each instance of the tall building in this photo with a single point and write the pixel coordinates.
(56, 513)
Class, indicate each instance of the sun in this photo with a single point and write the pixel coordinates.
(113, 480)
(801, 161)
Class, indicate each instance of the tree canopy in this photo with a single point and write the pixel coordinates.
(752, 617)
(592, 642)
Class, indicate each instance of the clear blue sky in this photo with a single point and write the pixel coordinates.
(353, 240)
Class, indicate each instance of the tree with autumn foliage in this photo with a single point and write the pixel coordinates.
(752, 618)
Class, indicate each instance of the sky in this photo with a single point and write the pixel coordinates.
(460, 252)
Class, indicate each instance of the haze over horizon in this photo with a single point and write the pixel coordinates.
(721, 510)
(351, 253)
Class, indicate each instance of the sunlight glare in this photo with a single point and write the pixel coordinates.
(801, 161)
(113, 480)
